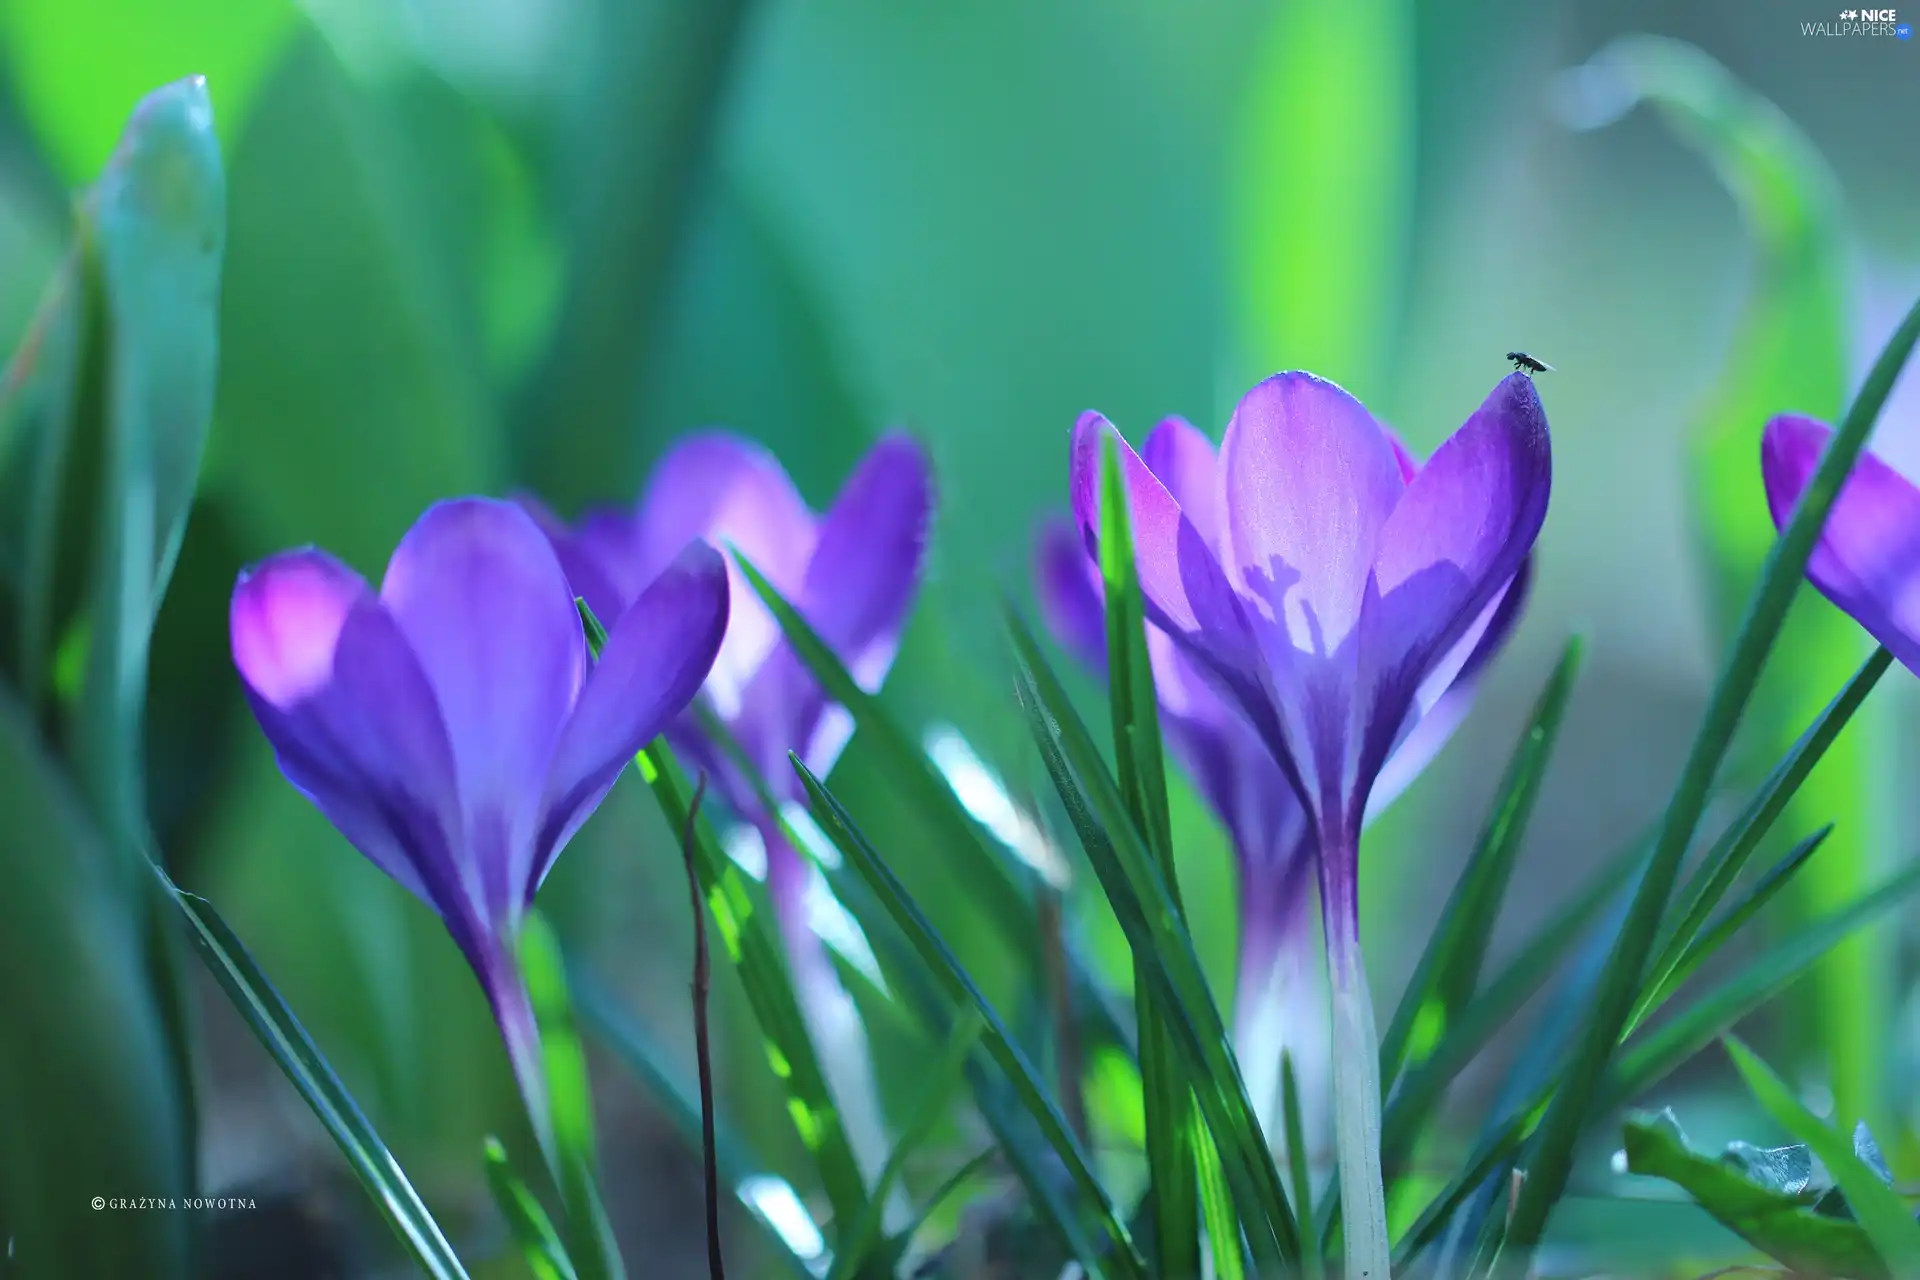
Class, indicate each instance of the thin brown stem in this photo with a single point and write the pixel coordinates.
(702, 1041)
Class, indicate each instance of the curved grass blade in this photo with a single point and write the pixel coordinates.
(1730, 921)
(1123, 1258)
(1143, 905)
(1449, 969)
(527, 1222)
(1137, 751)
(1728, 857)
(1657, 1051)
(255, 999)
(635, 1050)
(1313, 1266)
(943, 1074)
(1620, 987)
(1879, 1210)
(570, 1103)
(1789, 351)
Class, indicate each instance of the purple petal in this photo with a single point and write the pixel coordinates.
(354, 724)
(1310, 481)
(1461, 531)
(1409, 465)
(488, 612)
(732, 492)
(655, 660)
(1867, 560)
(1069, 590)
(599, 557)
(1182, 457)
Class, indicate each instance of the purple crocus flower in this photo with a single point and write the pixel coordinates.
(1277, 1003)
(452, 725)
(1867, 561)
(852, 573)
(1330, 599)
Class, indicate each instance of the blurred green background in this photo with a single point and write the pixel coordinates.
(481, 245)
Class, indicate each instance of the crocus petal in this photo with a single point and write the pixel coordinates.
(1409, 465)
(353, 722)
(598, 556)
(1182, 457)
(482, 600)
(1461, 531)
(1309, 481)
(1867, 560)
(731, 492)
(1070, 598)
(655, 659)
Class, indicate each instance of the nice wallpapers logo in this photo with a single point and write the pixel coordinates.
(1861, 22)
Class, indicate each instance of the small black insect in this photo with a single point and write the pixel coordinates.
(1524, 363)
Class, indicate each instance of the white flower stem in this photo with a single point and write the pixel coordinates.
(1356, 1081)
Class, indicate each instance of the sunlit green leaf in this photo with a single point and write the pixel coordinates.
(527, 1222)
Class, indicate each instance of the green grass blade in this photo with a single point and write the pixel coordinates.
(1724, 862)
(527, 1222)
(295, 1053)
(1444, 980)
(1141, 901)
(960, 989)
(570, 1101)
(1139, 756)
(629, 1043)
(967, 1172)
(744, 925)
(943, 1074)
(1313, 1265)
(1225, 1244)
(1620, 985)
(1651, 1055)
(1731, 921)
(1878, 1208)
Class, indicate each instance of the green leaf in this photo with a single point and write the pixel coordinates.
(653, 101)
(77, 87)
(1144, 906)
(1170, 1116)
(960, 989)
(1313, 1265)
(527, 1222)
(1225, 1244)
(295, 1053)
(1789, 354)
(1449, 969)
(943, 1074)
(87, 1104)
(1323, 219)
(1784, 1227)
(1621, 983)
(1723, 863)
(1656, 1051)
(744, 926)
(1881, 1213)
(570, 1102)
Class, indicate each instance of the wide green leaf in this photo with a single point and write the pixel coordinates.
(1785, 1227)
(1780, 580)
(1789, 353)
(1887, 1219)
(527, 1222)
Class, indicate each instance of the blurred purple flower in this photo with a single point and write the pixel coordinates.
(453, 727)
(1278, 1005)
(1333, 599)
(1867, 560)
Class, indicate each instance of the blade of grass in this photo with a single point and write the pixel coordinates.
(942, 1076)
(1730, 921)
(1141, 901)
(1449, 969)
(1138, 754)
(1656, 1051)
(1225, 1244)
(703, 1042)
(1880, 1211)
(1572, 1107)
(630, 1044)
(1728, 857)
(960, 988)
(527, 1222)
(287, 1042)
(1313, 1266)
(570, 1101)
